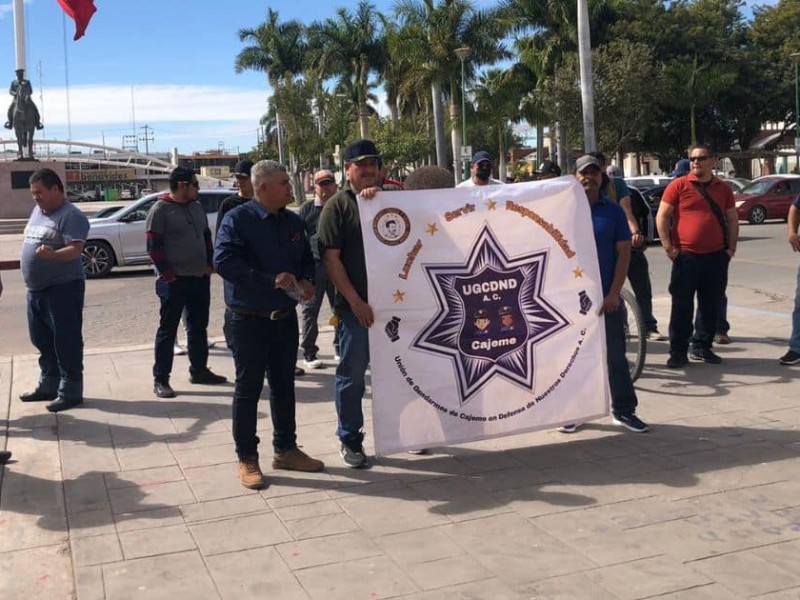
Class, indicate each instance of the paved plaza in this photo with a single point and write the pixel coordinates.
(129, 496)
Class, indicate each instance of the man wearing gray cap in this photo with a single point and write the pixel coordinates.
(480, 171)
(613, 240)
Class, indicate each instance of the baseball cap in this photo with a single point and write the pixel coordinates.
(682, 167)
(586, 161)
(243, 168)
(549, 167)
(323, 177)
(480, 156)
(360, 150)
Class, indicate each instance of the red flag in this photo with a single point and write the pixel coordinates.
(81, 12)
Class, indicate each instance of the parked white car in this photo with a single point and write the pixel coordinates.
(645, 182)
(119, 240)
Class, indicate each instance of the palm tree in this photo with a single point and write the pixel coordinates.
(276, 49)
(434, 30)
(498, 104)
(350, 48)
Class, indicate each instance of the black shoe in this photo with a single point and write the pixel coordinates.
(677, 361)
(38, 395)
(207, 377)
(352, 452)
(162, 390)
(705, 355)
(63, 404)
(790, 358)
(5, 456)
(632, 422)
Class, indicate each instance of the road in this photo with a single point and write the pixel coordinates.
(122, 309)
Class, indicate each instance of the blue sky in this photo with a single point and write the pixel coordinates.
(167, 64)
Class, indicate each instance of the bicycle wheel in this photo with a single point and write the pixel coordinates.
(635, 338)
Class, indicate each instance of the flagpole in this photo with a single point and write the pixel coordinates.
(19, 33)
(66, 79)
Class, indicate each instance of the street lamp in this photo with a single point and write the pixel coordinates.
(795, 56)
(463, 54)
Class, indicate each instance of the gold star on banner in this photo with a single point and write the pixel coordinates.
(431, 228)
(491, 204)
(398, 296)
(578, 272)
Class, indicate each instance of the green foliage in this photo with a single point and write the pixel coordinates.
(665, 72)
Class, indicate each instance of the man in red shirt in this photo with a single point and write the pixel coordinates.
(699, 229)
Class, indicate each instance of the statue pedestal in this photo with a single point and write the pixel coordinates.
(15, 193)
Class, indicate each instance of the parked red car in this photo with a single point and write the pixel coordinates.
(767, 198)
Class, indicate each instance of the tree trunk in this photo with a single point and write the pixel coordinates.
(363, 90)
(502, 169)
(279, 131)
(438, 124)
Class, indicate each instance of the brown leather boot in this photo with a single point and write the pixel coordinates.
(250, 474)
(296, 460)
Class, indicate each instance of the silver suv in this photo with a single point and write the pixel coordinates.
(119, 240)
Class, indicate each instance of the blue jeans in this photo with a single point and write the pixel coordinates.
(260, 344)
(194, 294)
(349, 386)
(623, 396)
(322, 287)
(794, 341)
(55, 326)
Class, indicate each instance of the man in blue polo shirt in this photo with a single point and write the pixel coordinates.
(613, 240)
(264, 257)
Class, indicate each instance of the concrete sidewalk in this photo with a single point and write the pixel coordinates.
(134, 497)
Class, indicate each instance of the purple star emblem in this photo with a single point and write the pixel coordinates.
(491, 312)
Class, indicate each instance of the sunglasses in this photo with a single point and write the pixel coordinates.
(698, 158)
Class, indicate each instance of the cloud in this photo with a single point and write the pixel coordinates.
(115, 104)
(7, 8)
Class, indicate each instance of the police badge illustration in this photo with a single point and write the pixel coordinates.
(491, 313)
(391, 226)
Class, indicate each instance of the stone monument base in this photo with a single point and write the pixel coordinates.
(15, 194)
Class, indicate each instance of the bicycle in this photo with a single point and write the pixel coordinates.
(635, 334)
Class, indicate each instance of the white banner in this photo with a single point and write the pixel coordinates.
(486, 313)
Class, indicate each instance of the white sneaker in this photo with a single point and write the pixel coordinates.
(178, 350)
(314, 363)
(337, 358)
(571, 428)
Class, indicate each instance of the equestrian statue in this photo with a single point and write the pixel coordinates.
(23, 115)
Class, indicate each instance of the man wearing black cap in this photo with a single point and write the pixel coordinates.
(480, 171)
(613, 241)
(548, 170)
(179, 244)
(342, 246)
(324, 189)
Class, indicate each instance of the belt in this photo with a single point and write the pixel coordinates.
(272, 315)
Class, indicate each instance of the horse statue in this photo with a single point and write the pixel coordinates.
(25, 119)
